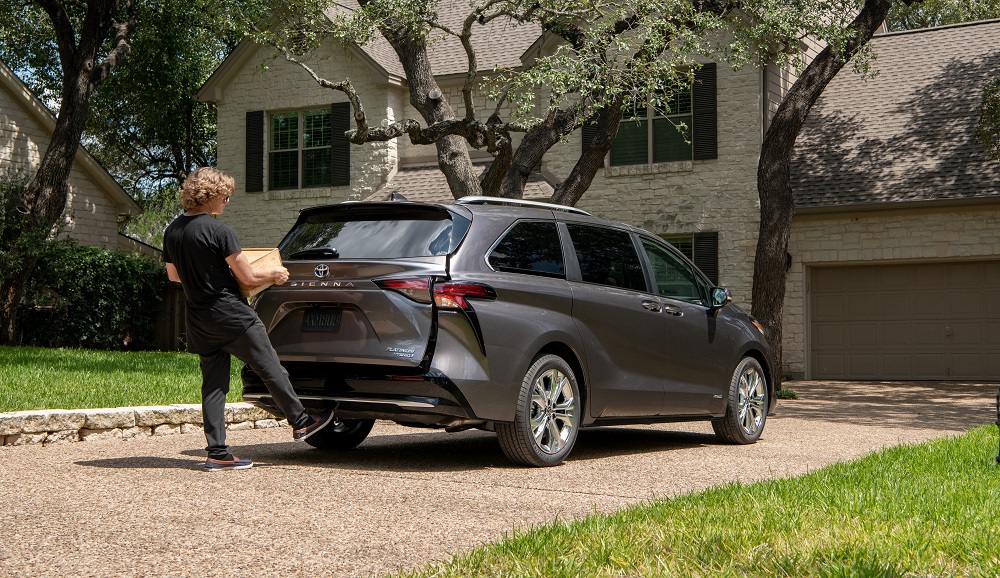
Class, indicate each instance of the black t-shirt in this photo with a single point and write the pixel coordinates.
(216, 312)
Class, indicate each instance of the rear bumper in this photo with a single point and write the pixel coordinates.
(428, 399)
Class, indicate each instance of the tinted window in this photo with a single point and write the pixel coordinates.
(607, 257)
(369, 235)
(674, 277)
(529, 247)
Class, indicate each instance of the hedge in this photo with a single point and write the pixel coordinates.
(81, 296)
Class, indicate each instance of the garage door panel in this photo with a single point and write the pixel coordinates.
(828, 307)
(910, 321)
(862, 334)
(863, 365)
(895, 334)
(826, 335)
(966, 365)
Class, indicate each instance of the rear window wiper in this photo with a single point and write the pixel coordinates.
(316, 253)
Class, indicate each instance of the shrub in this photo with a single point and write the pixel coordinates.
(80, 296)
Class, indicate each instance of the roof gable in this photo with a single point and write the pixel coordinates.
(908, 134)
(84, 160)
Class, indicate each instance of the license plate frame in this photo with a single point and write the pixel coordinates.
(321, 320)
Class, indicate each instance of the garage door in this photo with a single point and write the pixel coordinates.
(927, 321)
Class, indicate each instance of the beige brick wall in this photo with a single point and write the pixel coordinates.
(902, 236)
(693, 196)
(262, 219)
(91, 216)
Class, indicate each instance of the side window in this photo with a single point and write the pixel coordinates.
(529, 247)
(607, 256)
(674, 277)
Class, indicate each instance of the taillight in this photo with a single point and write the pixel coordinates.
(453, 295)
(416, 288)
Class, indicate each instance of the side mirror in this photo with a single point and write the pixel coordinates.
(720, 297)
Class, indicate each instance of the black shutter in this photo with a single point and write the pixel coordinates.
(706, 254)
(340, 147)
(705, 137)
(589, 131)
(255, 151)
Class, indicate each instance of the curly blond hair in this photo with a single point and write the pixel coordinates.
(204, 185)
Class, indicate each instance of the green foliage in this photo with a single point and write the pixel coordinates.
(988, 129)
(929, 13)
(80, 296)
(48, 378)
(925, 510)
(20, 244)
(786, 393)
(158, 210)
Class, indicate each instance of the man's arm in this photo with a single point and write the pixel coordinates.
(172, 273)
(245, 272)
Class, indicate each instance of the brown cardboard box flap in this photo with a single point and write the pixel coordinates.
(259, 259)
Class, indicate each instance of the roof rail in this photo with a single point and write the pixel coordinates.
(520, 203)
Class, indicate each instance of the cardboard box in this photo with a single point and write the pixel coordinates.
(259, 259)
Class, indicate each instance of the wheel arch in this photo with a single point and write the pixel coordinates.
(765, 364)
(569, 355)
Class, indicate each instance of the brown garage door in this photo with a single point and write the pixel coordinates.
(927, 321)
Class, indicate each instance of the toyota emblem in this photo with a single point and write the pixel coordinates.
(322, 271)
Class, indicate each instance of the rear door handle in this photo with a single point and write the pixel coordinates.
(653, 306)
(675, 311)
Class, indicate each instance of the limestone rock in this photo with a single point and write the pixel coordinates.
(265, 423)
(101, 419)
(155, 415)
(100, 434)
(137, 432)
(167, 429)
(62, 437)
(188, 413)
(240, 412)
(191, 428)
(25, 439)
(240, 425)
(49, 420)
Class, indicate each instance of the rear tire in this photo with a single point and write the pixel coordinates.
(547, 417)
(341, 435)
(746, 409)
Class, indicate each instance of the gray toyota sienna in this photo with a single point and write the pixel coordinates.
(528, 319)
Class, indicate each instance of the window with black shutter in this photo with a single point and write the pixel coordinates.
(307, 148)
(682, 128)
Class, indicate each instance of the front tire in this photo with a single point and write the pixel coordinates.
(746, 409)
(547, 417)
(341, 435)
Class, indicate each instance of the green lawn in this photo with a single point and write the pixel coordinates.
(926, 510)
(40, 378)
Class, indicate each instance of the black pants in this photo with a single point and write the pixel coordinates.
(254, 349)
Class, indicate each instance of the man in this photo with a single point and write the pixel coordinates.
(203, 255)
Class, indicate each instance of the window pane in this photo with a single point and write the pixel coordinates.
(284, 170)
(607, 257)
(530, 247)
(316, 167)
(630, 146)
(284, 131)
(668, 141)
(674, 101)
(377, 234)
(683, 243)
(674, 277)
(316, 129)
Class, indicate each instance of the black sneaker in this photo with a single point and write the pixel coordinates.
(322, 420)
(231, 463)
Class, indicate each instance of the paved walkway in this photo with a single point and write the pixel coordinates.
(405, 497)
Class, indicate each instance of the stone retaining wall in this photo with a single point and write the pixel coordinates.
(57, 426)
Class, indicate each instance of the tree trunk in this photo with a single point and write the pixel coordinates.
(592, 160)
(773, 175)
(429, 100)
(44, 199)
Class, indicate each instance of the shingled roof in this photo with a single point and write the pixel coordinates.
(500, 42)
(906, 135)
(428, 183)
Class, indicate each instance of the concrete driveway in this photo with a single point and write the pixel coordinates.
(406, 497)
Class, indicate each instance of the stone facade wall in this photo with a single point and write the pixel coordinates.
(262, 219)
(91, 216)
(59, 426)
(692, 196)
(901, 236)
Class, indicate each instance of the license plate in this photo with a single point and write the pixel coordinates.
(321, 320)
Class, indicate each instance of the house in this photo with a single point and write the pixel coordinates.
(700, 195)
(895, 244)
(95, 203)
